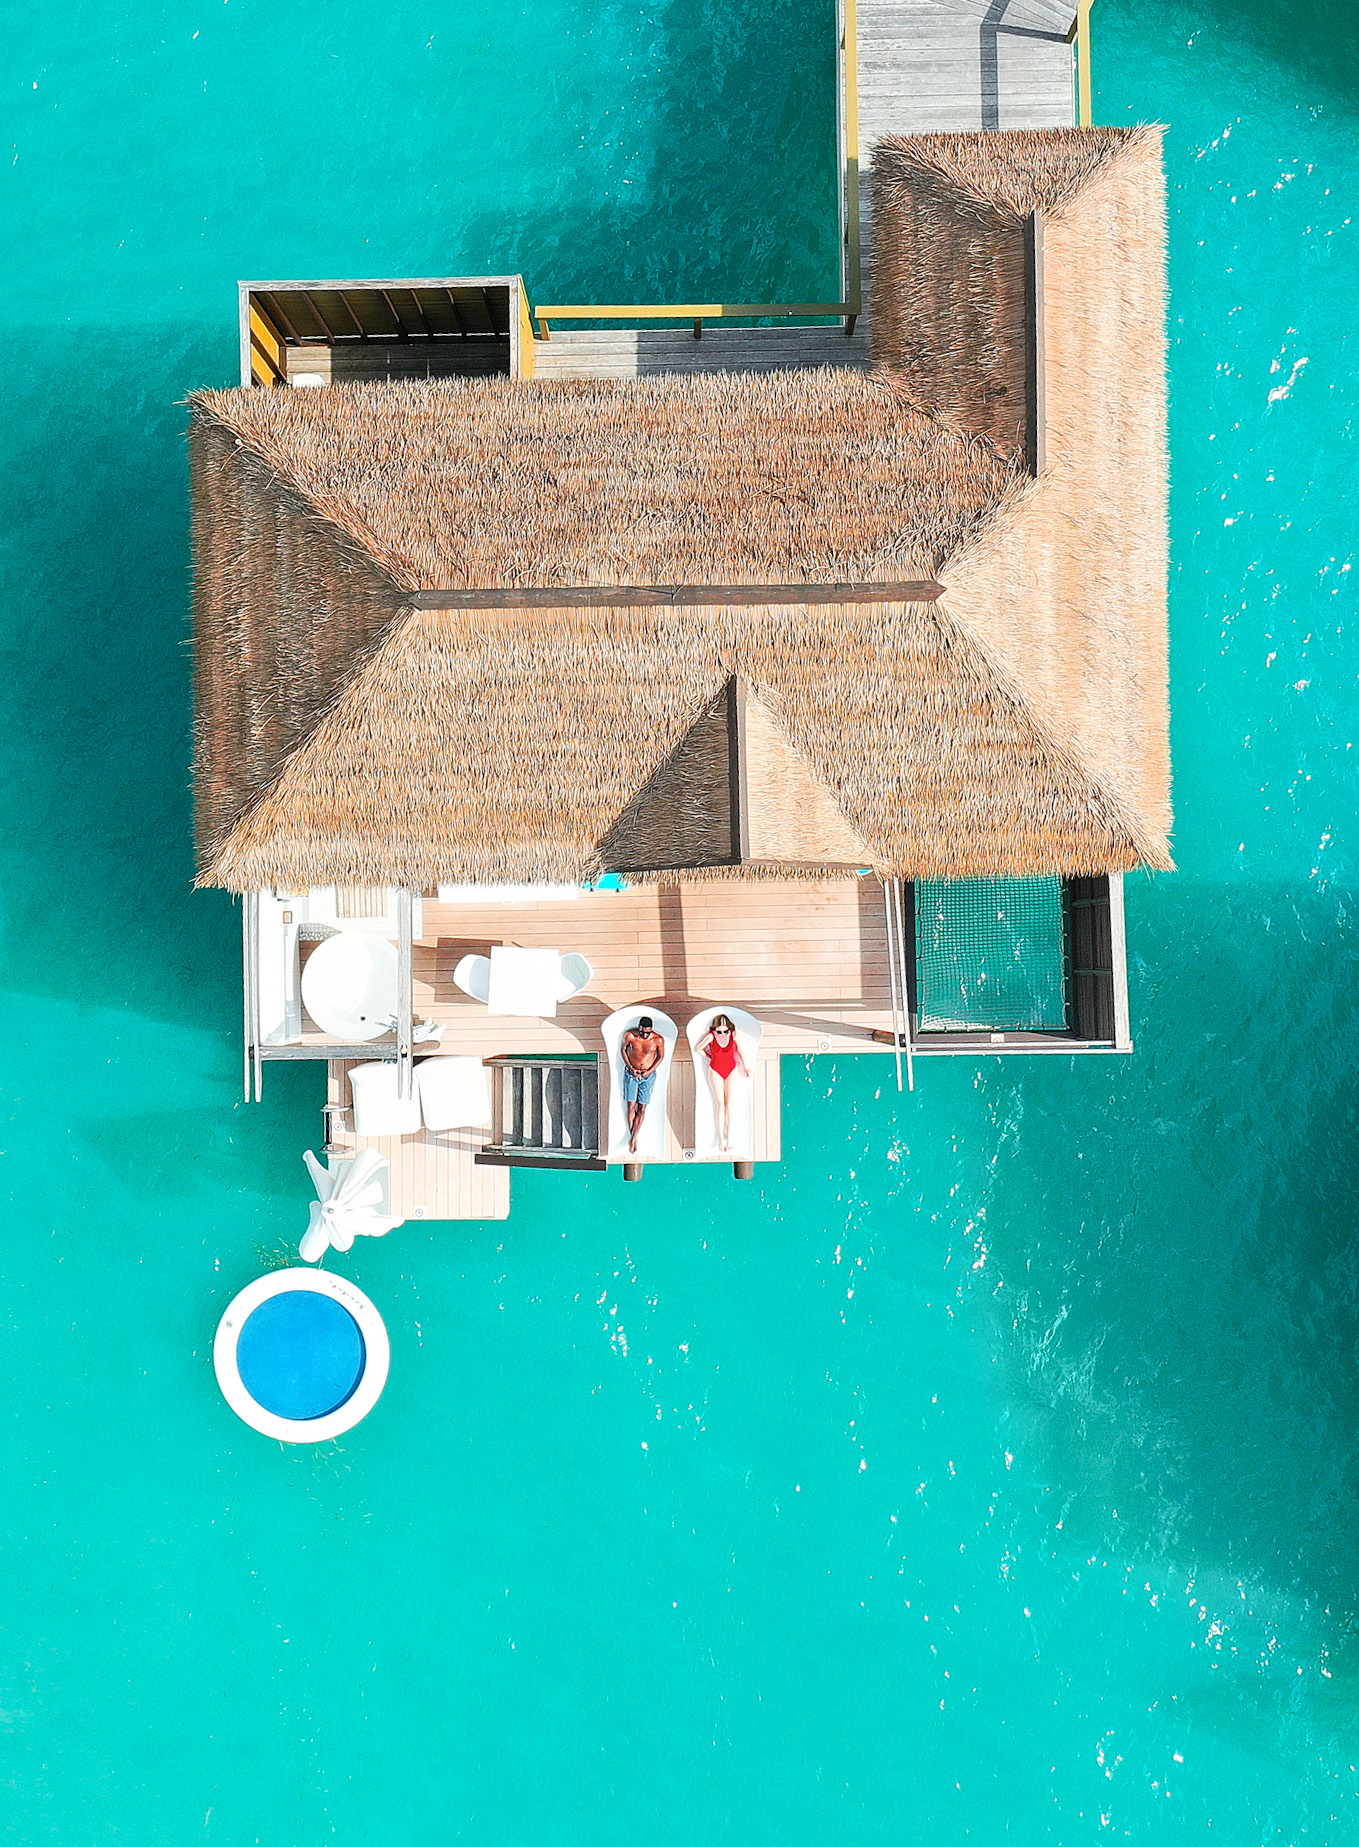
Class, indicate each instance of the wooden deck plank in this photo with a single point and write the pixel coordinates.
(810, 958)
(931, 65)
(433, 1175)
(637, 352)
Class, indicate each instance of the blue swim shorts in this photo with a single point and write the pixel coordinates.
(638, 1089)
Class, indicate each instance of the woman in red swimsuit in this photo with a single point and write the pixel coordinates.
(724, 1061)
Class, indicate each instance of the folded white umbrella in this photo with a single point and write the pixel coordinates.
(352, 1202)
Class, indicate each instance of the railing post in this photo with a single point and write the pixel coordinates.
(1080, 35)
(405, 1005)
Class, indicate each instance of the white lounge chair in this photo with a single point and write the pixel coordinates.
(575, 978)
(473, 976)
(651, 1142)
(749, 1033)
(454, 1093)
(377, 1108)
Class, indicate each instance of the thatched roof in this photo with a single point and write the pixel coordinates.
(720, 478)
(347, 734)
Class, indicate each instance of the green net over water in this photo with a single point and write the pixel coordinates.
(991, 955)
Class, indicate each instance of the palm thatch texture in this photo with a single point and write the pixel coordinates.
(1063, 363)
(346, 735)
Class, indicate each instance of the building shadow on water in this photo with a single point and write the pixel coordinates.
(99, 908)
(1177, 1241)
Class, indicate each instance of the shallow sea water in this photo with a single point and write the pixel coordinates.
(987, 1472)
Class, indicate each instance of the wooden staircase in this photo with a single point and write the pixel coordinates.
(546, 1113)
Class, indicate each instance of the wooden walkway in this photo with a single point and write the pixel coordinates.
(919, 66)
(637, 352)
(931, 65)
(809, 957)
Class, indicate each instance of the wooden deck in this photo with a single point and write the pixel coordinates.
(808, 957)
(433, 1176)
(951, 65)
(633, 352)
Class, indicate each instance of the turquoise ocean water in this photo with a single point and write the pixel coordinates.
(986, 1473)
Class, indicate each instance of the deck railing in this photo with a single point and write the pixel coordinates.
(1079, 38)
(696, 311)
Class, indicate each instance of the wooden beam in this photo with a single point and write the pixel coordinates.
(630, 596)
(1085, 102)
(424, 318)
(272, 305)
(344, 303)
(522, 356)
(401, 333)
(405, 1005)
(851, 278)
(1118, 937)
(457, 312)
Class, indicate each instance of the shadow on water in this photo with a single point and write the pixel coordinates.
(739, 198)
(1179, 1313)
(95, 741)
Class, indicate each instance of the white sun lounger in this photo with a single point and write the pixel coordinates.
(651, 1142)
(749, 1033)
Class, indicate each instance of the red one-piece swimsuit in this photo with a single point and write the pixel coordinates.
(721, 1057)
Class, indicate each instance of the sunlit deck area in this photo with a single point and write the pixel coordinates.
(809, 957)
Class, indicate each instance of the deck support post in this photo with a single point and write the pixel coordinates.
(1118, 942)
(405, 1005)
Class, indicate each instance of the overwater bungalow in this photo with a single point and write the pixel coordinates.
(813, 673)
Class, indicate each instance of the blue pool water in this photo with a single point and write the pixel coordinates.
(988, 1472)
(300, 1354)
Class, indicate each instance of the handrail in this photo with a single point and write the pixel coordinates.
(847, 310)
(1079, 36)
(695, 311)
(851, 259)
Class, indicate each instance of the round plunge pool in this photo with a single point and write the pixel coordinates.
(301, 1355)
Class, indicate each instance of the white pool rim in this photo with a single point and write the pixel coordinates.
(377, 1356)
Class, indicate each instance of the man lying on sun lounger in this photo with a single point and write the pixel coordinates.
(643, 1049)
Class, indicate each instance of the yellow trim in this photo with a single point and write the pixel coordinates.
(850, 57)
(1085, 100)
(686, 310)
(526, 357)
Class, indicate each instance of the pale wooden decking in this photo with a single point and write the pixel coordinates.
(437, 1176)
(808, 957)
(433, 1176)
(633, 352)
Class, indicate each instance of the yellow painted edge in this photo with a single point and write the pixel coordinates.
(685, 310)
(854, 279)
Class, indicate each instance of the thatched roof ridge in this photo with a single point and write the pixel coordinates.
(1014, 172)
(821, 476)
